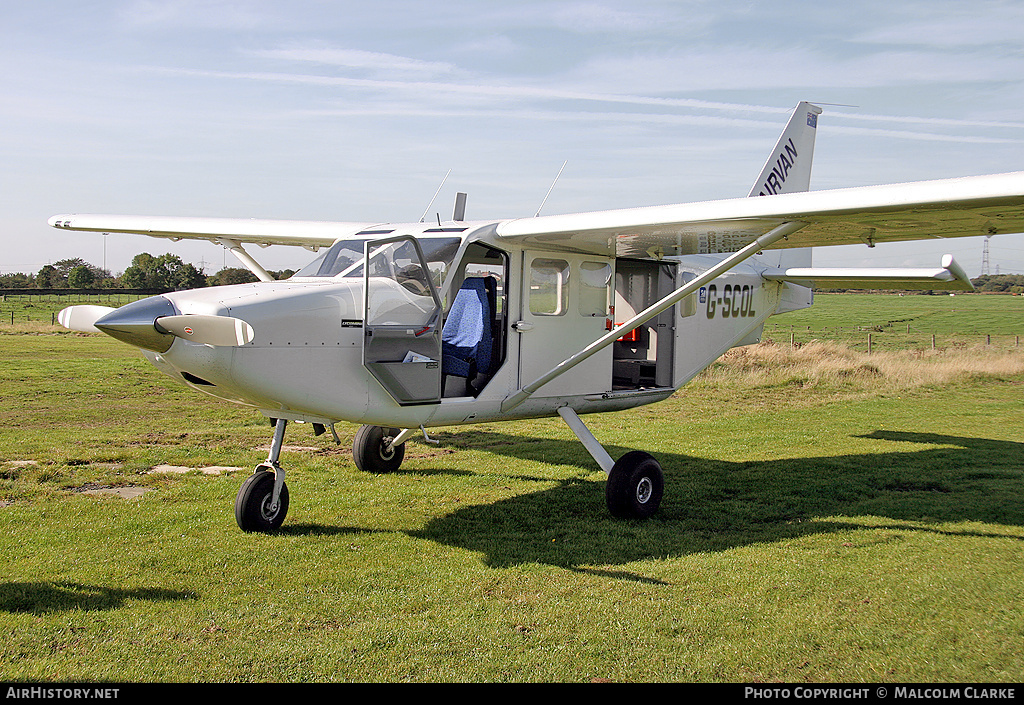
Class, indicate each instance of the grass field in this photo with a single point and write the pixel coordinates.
(829, 516)
(900, 322)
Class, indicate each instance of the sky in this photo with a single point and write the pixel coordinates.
(356, 111)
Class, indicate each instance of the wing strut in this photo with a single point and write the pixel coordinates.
(777, 233)
(245, 258)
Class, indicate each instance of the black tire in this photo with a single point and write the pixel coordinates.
(368, 450)
(635, 486)
(252, 506)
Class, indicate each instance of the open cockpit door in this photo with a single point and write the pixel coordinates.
(402, 320)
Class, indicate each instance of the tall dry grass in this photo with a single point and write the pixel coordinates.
(829, 365)
(21, 327)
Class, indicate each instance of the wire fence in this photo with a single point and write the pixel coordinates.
(43, 308)
(871, 338)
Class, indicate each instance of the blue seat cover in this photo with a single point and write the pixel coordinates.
(466, 336)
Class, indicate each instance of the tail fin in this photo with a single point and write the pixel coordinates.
(788, 168)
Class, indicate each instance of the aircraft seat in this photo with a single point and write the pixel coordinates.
(467, 339)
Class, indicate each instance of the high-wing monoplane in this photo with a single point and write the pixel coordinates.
(405, 327)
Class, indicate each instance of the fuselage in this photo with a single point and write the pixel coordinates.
(337, 343)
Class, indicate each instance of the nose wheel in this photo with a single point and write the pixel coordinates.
(255, 507)
(262, 501)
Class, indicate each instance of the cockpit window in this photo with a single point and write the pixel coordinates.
(345, 258)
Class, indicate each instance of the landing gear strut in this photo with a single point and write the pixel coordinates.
(635, 481)
(262, 501)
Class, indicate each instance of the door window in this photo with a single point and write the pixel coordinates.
(549, 287)
(594, 280)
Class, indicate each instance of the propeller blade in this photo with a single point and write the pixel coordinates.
(82, 317)
(208, 330)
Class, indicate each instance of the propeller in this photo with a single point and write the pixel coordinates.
(82, 317)
(208, 330)
(139, 328)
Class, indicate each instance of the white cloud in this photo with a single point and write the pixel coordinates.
(206, 14)
(356, 59)
(946, 25)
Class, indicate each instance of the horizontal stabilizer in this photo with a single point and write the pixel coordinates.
(82, 317)
(949, 276)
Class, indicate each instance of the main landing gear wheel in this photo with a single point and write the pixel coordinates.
(373, 452)
(635, 486)
(254, 508)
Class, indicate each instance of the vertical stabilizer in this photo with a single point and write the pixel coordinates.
(788, 168)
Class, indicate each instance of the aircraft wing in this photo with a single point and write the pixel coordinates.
(308, 234)
(962, 207)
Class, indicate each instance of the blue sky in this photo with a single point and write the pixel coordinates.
(356, 111)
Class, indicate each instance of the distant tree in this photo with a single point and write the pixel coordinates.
(231, 275)
(188, 277)
(140, 274)
(998, 282)
(65, 266)
(164, 272)
(49, 278)
(81, 277)
(16, 280)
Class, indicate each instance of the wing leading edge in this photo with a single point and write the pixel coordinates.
(302, 233)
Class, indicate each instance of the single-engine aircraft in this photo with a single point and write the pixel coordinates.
(404, 327)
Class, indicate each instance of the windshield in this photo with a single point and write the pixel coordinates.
(345, 257)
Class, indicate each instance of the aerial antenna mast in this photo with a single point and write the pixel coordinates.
(424, 216)
(550, 189)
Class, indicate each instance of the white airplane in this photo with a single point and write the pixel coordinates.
(403, 327)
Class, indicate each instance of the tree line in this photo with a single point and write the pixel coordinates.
(168, 272)
(147, 271)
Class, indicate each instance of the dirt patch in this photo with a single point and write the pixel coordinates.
(124, 492)
(182, 469)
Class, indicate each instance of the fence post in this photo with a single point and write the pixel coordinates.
(869, 343)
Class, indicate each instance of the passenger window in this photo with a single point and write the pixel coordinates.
(549, 287)
(594, 280)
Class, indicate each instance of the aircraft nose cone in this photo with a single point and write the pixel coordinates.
(134, 323)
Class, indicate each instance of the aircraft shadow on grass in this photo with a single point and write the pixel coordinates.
(62, 596)
(714, 505)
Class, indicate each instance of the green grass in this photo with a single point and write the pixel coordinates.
(899, 322)
(816, 527)
(21, 309)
